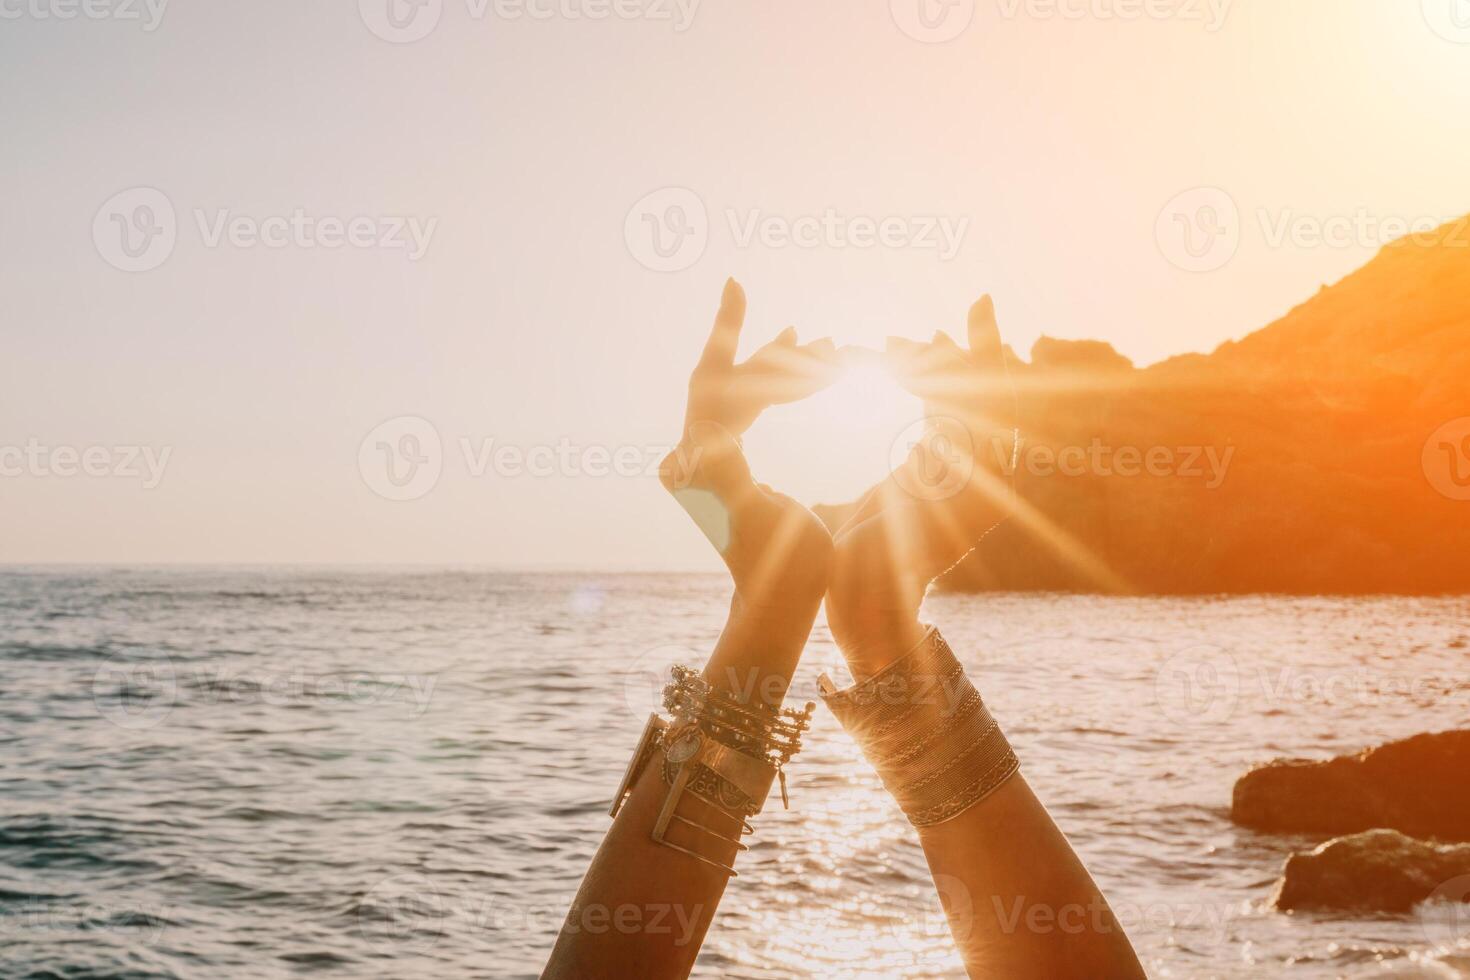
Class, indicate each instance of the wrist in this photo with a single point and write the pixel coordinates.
(707, 457)
(869, 647)
(872, 608)
(927, 731)
(759, 650)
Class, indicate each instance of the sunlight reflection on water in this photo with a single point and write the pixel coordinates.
(288, 802)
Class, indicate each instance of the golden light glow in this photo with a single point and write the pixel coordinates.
(832, 447)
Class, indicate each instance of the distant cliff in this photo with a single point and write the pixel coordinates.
(1298, 459)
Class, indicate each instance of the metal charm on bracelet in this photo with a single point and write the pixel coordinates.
(719, 749)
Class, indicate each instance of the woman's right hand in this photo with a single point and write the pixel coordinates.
(954, 486)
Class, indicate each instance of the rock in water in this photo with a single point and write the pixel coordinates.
(1381, 871)
(1419, 786)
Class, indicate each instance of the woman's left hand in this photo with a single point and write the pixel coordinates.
(778, 551)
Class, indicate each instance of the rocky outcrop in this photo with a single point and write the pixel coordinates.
(1381, 871)
(1419, 786)
(1353, 390)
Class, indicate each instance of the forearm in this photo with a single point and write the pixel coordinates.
(668, 899)
(1019, 900)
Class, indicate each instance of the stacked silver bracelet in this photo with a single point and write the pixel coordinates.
(923, 726)
(726, 751)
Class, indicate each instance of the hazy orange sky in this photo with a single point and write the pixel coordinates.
(864, 168)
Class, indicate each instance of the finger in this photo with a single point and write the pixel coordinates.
(778, 375)
(784, 343)
(905, 360)
(985, 333)
(803, 371)
(924, 368)
(823, 350)
(903, 354)
(719, 350)
(944, 341)
(824, 362)
(785, 357)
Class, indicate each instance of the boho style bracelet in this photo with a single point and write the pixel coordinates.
(924, 727)
(722, 750)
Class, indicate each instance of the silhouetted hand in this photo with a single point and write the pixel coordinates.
(953, 487)
(967, 394)
(778, 552)
(734, 395)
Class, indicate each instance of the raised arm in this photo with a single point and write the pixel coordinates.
(778, 554)
(1019, 900)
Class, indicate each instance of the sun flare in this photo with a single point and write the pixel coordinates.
(833, 446)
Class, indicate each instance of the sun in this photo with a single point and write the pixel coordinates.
(835, 445)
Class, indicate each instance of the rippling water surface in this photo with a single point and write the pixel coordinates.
(265, 773)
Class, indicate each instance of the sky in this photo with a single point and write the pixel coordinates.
(346, 282)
